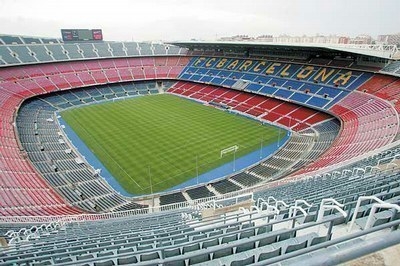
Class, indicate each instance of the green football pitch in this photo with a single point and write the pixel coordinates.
(153, 143)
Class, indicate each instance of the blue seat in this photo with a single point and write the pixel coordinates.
(232, 229)
(222, 253)
(144, 247)
(124, 250)
(149, 256)
(175, 263)
(181, 241)
(245, 247)
(62, 260)
(227, 239)
(319, 240)
(197, 237)
(267, 240)
(215, 233)
(190, 248)
(127, 260)
(199, 259)
(172, 252)
(211, 243)
(243, 262)
(85, 257)
(104, 263)
(264, 229)
(164, 244)
(295, 247)
(105, 253)
(44, 262)
(247, 234)
(286, 235)
(270, 254)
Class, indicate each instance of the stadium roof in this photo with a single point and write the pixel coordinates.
(379, 51)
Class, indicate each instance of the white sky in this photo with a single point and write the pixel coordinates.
(201, 19)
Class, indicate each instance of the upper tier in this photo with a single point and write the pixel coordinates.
(54, 52)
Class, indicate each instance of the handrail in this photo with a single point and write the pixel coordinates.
(331, 200)
(244, 210)
(260, 200)
(393, 240)
(356, 169)
(345, 171)
(271, 198)
(273, 209)
(325, 205)
(281, 202)
(115, 215)
(293, 209)
(360, 199)
(375, 207)
(253, 207)
(301, 201)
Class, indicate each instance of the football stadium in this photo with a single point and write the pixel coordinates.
(197, 152)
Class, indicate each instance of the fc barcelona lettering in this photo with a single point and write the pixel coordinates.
(338, 77)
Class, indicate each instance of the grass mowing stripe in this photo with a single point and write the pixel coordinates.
(165, 133)
(86, 133)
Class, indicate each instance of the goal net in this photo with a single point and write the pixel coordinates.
(233, 148)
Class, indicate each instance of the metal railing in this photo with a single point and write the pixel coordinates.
(122, 214)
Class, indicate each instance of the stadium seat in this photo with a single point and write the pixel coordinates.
(199, 259)
(190, 248)
(267, 240)
(127, 260)
(270, 254)
(149, 256)
(294, 247)
(319, 240)
(242, 262)
(245, 247)
(222, 253)
(210, 243)
(172, 252)
(104, 263)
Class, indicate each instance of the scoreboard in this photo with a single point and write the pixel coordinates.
(81, 35)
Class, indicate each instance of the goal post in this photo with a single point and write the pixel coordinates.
(233, 148)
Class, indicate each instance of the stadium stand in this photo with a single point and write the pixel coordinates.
(381, 118)
(262, 235)
(9, 39)
(340, 195)
(315, 86)
(385, 87)
(319, 130)
(392, 68)
(28, 81)
(14, 52)
(368, 124)
(270, 109)
(203, 69)
(74, 180)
